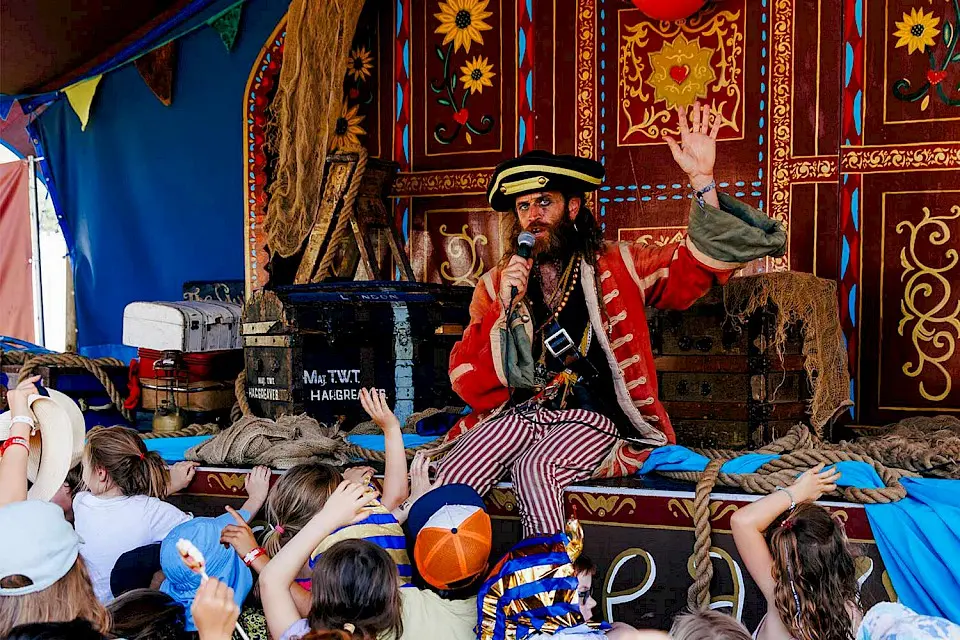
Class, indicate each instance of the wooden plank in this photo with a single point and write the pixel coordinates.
(722, 364)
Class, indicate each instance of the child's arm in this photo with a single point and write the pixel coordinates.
(419, 485)
(750, 522)
(181, 475)
(257, 484)
(395, 474)
(13, 464)
(345, 506)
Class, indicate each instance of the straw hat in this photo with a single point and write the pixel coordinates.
(56, 447)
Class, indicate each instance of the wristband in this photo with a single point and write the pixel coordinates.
(707, 189)
(253, 555)
(15, 440)
(793, 503)
(25, 420)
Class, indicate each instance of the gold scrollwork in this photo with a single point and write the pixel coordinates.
(898, 159)
(733, 600)
(932, 333)
(604, 505)
(586, 77)
(503, 499)
(683, 507)
(440, 183)
(660, 241)
(455, 249)
(232, 482)
(863, 567)
(721, 30)
(888, 587)
(611, 597)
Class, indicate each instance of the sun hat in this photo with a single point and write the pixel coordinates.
(452, 534)
(40, 544)
(56, 447)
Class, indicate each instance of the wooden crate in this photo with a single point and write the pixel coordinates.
(721, 381)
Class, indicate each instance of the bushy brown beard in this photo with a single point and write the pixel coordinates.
(558, 241)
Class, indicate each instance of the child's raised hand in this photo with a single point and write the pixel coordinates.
(239, 536)
(815, 482)
(257, 484)
(346, 505)
(374, 402)
(18, 398)
(214, 610)
(420, 478)
(360, 475)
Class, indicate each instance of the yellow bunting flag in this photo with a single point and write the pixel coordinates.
(80, 96)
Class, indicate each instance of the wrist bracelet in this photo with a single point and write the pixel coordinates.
(253, 555)
(707, 189)
(793, 503)
(25, 420)
(15, 440)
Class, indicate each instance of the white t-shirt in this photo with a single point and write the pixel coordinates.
(109, 527)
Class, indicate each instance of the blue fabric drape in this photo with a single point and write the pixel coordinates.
(152, 196)
(918, 537)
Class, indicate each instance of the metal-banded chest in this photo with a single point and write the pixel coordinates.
(723, 382)
(311, 348)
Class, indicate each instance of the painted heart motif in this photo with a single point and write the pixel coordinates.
(679, 73)
(461, 116)
(936, 77)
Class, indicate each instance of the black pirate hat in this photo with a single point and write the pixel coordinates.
(541, 171)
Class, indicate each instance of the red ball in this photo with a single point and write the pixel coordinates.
(669, 9)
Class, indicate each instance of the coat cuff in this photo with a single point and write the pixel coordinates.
(733, 235)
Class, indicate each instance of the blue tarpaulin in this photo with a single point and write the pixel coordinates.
(152, 196)
(918, 537)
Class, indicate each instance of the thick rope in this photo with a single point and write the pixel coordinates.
(208, 429)
(343, 229)
(798, 451)
(94, 366)
(698, 596)
(241, 407)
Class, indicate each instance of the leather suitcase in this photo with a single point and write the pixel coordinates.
(190, 327)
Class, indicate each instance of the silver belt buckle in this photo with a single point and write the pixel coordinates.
(566, 343)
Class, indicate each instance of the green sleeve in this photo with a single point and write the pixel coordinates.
(736, 232)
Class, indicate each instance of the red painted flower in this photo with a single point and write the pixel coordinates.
(353, 93)
(462, 116)
(936, 77)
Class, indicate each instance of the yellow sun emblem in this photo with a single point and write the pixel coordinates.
(462, 21)
(347, 129)
(359, 64)
(681, 72)
(477, 74)
(917, 30)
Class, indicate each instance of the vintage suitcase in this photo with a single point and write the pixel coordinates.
(198, 382)
(187, 326)
(312, 347)
(722, 382)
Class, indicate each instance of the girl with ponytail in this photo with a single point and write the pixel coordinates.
(801, 560)
(122, 507)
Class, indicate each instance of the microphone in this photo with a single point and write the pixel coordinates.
(525, 242)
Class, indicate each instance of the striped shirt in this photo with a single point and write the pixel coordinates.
(380, 528)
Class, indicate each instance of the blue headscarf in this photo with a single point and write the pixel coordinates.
(224, 564)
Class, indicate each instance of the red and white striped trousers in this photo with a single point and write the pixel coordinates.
(545, 450)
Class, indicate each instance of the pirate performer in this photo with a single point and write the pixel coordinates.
(556, 362)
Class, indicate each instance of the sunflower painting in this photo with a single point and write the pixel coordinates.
(461, 22)
(347, 130)
(477, 74)
(360, 64)
(917, 30)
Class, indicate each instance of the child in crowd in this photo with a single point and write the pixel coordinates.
(893, 621)
(42, 579)
(354, 584)
(707, 625)
(123, 506)
(73, 630)
(68, 491)
(800, 559)
(147, 614)
(222, 562)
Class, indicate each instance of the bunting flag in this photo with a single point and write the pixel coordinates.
(156, 68)
(227, 24)
(80, 96)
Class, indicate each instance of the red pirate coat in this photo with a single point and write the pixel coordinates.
(624, 279)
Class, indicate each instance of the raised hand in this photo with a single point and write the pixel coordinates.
(347, 504)
(696, 153)
(374, 402)
(214, 610)
(815, 482)
(239, 536)
(359, 475)
(181, 475)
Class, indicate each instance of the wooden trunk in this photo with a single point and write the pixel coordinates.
(722, 381)
(311, 348)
